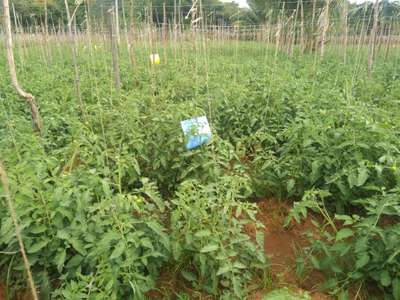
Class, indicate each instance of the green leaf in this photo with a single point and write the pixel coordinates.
(343, 233)
(157, 228)
(37, 246)
(352, 180)
(74, 261)
(209, 248)
(286, 294)
(38, 229)
(202, 233)
(290, 185)
(60, 259)
(224, 269)
(362, 176)
(344, 295)
(361, 244)
(385, 278)
(119, 249)
(396, 288)
(63, 234)
(348, 220)
(77, 244)
(189, 276)
(315, 170)
(362, 260)
(176, 250)
(315, 262)
(106, 188)
(239, 265)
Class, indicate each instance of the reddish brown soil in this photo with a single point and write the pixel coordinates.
(170, 284)
(280, 246)
(20, 295)
(2, 292)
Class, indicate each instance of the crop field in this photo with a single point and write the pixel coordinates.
(296, 195)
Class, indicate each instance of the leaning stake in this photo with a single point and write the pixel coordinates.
(36, 120)
(4, 182)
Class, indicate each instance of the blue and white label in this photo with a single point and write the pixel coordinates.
(197, 131)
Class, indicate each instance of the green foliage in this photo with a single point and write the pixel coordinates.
(286, 294)
(32, 12)
(209, 239)
(109, 198)
(74, 226)
(364, 249)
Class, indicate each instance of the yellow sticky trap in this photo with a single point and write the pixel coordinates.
(155, 59)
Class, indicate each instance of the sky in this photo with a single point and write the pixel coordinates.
(243, 3)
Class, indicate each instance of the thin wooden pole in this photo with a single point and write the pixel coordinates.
(117, 21)
(164, 32)
(373, 38)
(325, 27)
(127, 39)
(301, 27)
(114, 50)
(74, 58)
(36, 120)
(389, 39)
(346, 30)
(14, 218)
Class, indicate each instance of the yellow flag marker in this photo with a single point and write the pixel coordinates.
(155, 59)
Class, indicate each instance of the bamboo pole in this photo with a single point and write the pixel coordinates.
(313, 31)
(29, 98)
(114, 50)
(373, 38)
(389, 38)
(127, 39)
(164, 32)
(301, 27)
(14, 218)
(324, 27)
(46, 23)
(346, 31)
(72, 36)
(117, 21)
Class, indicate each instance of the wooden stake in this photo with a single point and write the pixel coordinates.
(389, 38)
(75, 59)
(325, 26)
(301, 28)
(346, 31)
(6, 187)
(164, 32)
(114, 50)
(313, 42)
(36, 120)
(117, 21)
(373, 38)
(127, 39)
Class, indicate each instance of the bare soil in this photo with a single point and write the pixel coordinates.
(280, 246)
(2, 292)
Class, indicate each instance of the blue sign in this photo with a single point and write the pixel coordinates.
(197, 132)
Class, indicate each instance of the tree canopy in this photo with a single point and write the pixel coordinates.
(31, 12)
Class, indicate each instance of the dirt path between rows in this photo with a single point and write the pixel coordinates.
(282, 247)
(2, 292)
